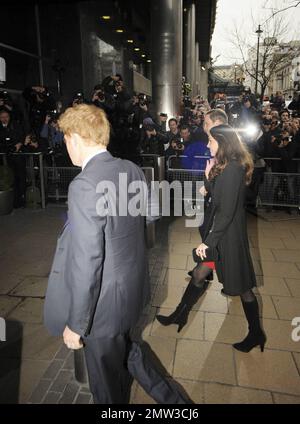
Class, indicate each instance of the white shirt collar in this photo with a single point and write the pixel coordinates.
(84, 163)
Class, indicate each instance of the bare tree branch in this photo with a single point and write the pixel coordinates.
(271, 54)
(279, 11)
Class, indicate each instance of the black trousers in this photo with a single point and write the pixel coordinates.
(112, 364)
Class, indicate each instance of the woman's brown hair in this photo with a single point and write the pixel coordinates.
(230, 148)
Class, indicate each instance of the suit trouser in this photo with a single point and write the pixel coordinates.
(111, 364)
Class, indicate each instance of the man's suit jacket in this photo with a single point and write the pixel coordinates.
(98, 285)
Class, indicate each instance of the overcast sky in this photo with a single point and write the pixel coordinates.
(230, 12)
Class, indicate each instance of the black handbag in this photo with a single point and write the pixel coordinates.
(212, 255)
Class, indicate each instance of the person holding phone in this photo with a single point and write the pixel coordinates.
(225, 245)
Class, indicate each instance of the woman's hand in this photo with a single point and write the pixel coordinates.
(201, 250)
(209, 164)
(202, 191)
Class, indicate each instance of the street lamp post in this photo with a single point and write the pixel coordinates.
(258, 32)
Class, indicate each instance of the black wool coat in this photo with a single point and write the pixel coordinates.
(226, 230)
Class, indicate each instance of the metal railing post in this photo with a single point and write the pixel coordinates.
(42, 180)
(161, 168)
(150, 226)
(31, 166)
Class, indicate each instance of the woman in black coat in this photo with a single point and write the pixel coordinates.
(225, 245)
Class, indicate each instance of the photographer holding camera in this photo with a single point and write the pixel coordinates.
(280, 143)
(40, 101)
(11, 141)
(153, 141)
(277, 102)
(139, 110)
(78, 99)
(104, 101)
(11, 133)
(7, 104)
(162, 122)
(175, 149)
(50, 130)
(173, 132)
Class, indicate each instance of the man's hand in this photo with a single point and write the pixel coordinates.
(27, 140)
(18, 146)
(71, 339)
(38, 89)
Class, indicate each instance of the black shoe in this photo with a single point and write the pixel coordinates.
(252, 340)
(256, 336)
(180, 315)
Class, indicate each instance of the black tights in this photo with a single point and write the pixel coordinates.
(248, 296)
(200, 272)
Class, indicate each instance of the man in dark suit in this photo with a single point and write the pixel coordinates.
(99, 283)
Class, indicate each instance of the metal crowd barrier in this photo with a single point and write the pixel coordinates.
(277, 189)
(34, 172)
(280, 189)
(58, 179)
(150, 161)
(193, 173)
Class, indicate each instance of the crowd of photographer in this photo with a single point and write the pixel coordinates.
(134, 127)
(272, 134)
(270, 131)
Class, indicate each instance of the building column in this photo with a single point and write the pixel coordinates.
(189, 34)
(204, 79)
(166, 41)
(197, 69)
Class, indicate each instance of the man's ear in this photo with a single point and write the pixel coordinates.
(76, 140)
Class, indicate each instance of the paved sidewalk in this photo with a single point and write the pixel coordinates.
(37, 368)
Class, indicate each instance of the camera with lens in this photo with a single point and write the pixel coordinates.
(142, 99)
(177, 144)
(287, 138)
(56, 150)
(246, 99)
(9, 146)
(44, 95)
(5, 98)
(187, 101)
(78, 98)
(4, 95)
(53, 115)
(100, 94)
(267, 121)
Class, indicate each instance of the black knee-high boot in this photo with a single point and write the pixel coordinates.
(256, 336)
(189, 299)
